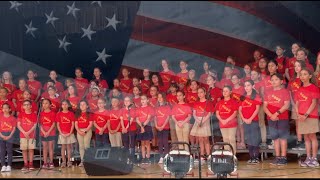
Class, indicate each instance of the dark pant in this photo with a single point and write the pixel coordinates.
(129, 139)
(163, 142)
(102, 140)
(6, 146)
(254, 151)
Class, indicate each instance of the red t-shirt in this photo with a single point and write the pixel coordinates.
(153, 102)
(290, 66)
(294, 86)
(172, 99)
(167, 78)
(182, 78)
(101, 119)
(249, 106)
(215, 94)
(145, 86)
(203, 108)
(7, 123)
(93, 104)
(103, 83)
(191, 98)
(34, 86)
(8, 102)
(10, 88)
(244, 79)
(46, 121)
(137, 102)
(304, 96)
(276, 99)
(258, 86)
(125, 85)
(81, 85)
(65, 121)
(18, 95)
(34, 107)
(125, 115)
(282, 61)
(55, 104)
(58, 86)
(162, 113)
(114, 118)
(27, 121)
(74, 101)
(181, 111)
(203, 78)
(226, 109)
(225, 82)
(143, 112)
(84, 120)
(255, 65)
(237, 93)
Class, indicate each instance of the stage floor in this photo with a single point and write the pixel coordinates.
(262, 170)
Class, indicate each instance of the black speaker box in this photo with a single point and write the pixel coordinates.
(107, 161)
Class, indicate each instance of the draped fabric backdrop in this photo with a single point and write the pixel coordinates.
(194, 31)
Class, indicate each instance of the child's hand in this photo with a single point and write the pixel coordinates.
(100, 133)
(124, 130)
(142, 130)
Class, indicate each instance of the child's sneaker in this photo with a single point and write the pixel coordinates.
(305, 162)
(313, 162)
(63, 165)
(4, 169)
(51, 166)
(25, 167)
(283, 161)
(45, 166)
(69, 164)
(160, 161)
(81, 164)
(275, 161)
(8, 169)
(249, 161)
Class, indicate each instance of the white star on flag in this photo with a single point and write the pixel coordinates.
(72, 9)
(102, 56)
(87, 32)
(30, 29)
(15, 5)
(63, 43)
(113, 22)
(98, 2)
(51, 19)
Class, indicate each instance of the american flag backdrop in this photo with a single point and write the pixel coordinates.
(62, 35)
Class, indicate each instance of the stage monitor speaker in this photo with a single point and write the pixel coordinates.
(107, 161)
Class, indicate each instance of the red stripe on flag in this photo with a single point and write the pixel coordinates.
(278, 15)
(194, 40)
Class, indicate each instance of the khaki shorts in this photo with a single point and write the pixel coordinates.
(67, 140)
(26, 144)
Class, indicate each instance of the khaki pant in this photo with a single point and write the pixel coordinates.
(183, 135)
(262, 125)
(229, 136)
(173, 134)
(115, 139)
(84, 142)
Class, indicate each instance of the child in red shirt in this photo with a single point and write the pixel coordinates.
(65, 125)
(33, 85)
(115, 123)
(247, 73)
(7, 83)
(153, 94)
(7, 128)
(73, 97)
(81, 83)
(129, 127)
(125, 82)
(17, 95)
(83, 125)
(116, 83)
(162, 116)
(143, 118)
(226, 80)
(102, 83)
(53, 76)
(94, 99)
(182, 76)
(281, 59)
(237, 92)
(48, 132)
(55, 100)
(27, 123)
(27, 96)
(172, 96)
(202, 110)
(248, 112)
(203, 77)
(191, 98)
(276, 104)
(68, 82)
(136, 96)
(157, 81)
(101, 120)
(166, 74)
(145, 83)
(307, 107)
(226, 111)
(4, 99)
